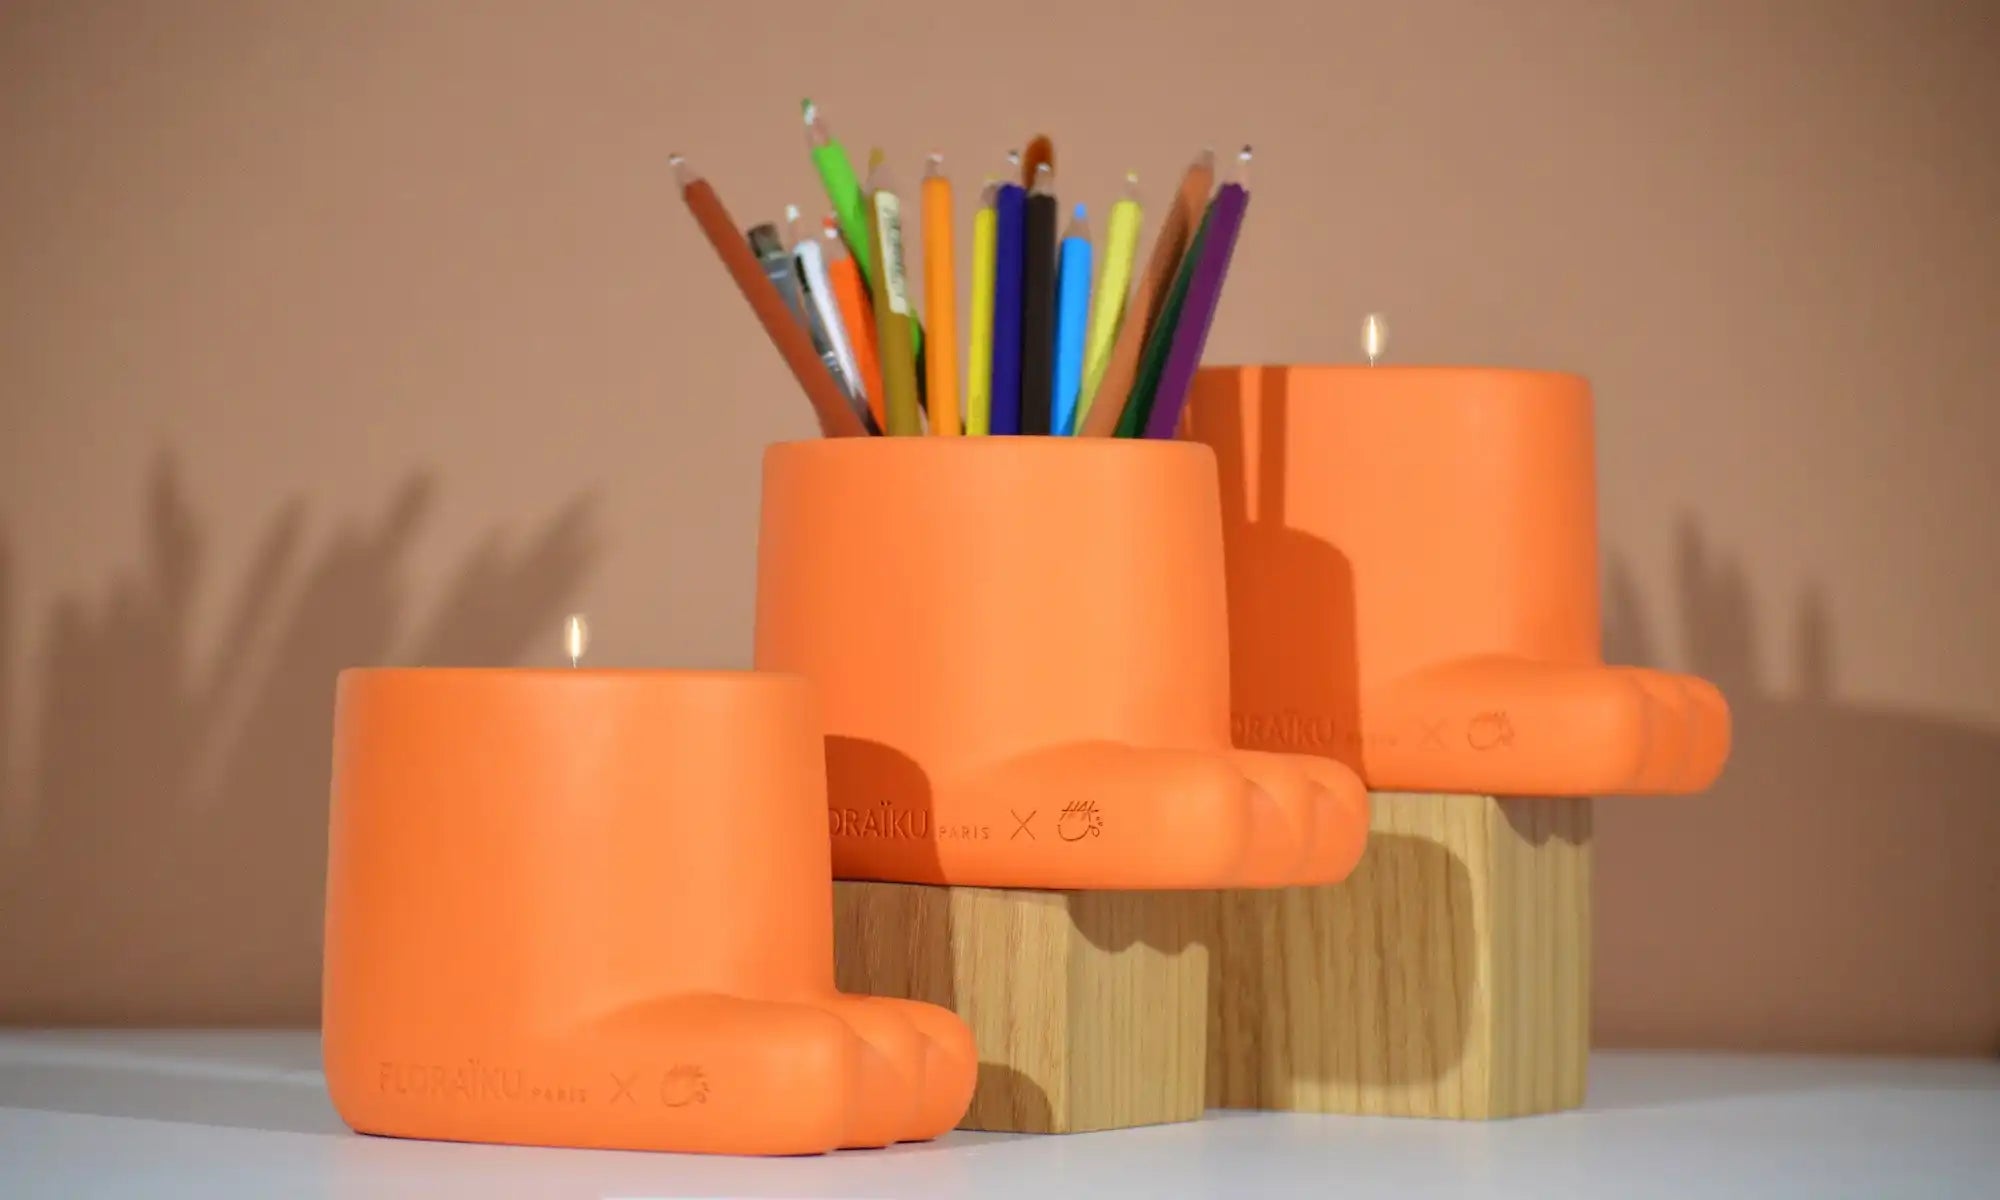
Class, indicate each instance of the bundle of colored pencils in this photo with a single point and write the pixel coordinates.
(1046, 354)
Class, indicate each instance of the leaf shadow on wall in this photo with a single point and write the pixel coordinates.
(167, 864)
(1836, 889)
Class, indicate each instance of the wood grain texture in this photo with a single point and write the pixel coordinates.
(1448, 977)
(1089, 1008)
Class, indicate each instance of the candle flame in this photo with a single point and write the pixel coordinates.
(576, 637)
(1374, 336)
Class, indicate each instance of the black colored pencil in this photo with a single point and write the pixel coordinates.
(1038, 303)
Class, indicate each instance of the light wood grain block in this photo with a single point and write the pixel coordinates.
(1448, 977)
(1090, 1009)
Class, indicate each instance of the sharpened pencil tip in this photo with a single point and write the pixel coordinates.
(1079, 213)
(817, 134)
(683, 174)
(1244, 154)
(791, 212)
(1014, 157)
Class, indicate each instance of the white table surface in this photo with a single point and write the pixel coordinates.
(220, 1115)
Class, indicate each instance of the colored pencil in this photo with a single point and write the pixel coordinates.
(1038, 303)
(1040, 151)
(1009, 212)
(1139, 401)
(979, 324)
(940, 302)
(859, 317)
(892, 304)
(1114, 281)
(1072, 307)
(843, 189)
(1170, 245)
(1204, 294)
(785, 332)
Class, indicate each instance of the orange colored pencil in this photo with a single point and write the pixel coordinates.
(859, 316)
(940, 302)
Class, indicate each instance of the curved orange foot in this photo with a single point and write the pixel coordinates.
(1713, 735)
(728, 1074)
(1106, 816)
(1516, 727)
(1326, 809)
(918, 1080)
(697, 1073)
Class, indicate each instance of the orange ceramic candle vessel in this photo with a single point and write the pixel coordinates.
(1413, 585)
(594, 908)
(1022, 648)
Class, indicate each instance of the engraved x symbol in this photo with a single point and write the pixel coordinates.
(1022, 826)
(624, 1086)
(1433, 734)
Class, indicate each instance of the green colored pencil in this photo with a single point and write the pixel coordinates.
(836, 174)
(850, 207)
(1160, 340)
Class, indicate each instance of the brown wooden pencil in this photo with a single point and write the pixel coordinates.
(1040, 150)
(836, 419)
(1169, 245)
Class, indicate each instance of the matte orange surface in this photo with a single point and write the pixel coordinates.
(594, 908)
(1413, 585)
(1022, 648)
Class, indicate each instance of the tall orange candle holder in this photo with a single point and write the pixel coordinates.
(1022, 648)
(594, 908)
(1412, 575)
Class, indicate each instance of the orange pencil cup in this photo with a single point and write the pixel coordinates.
(1413, 585)
(1022, 648)
(594, 908)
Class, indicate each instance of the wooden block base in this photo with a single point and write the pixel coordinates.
(1448, 977)
(1089, 1008)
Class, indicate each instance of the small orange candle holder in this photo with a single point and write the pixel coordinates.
(594, 908)
(1022, 648)
(1413, 585)
(1413, 593)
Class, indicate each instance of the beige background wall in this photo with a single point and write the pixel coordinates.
(355, 333)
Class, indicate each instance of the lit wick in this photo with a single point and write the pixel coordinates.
(1374, 336)
(576, 637)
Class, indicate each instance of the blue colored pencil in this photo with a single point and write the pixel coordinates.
(1009, 211)
(1072, 319)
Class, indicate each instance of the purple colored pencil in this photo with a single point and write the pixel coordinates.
(1198, 312)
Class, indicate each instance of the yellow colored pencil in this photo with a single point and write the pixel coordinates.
(979, 339)
(1114, 281)
(940, 302)
(892, 303)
